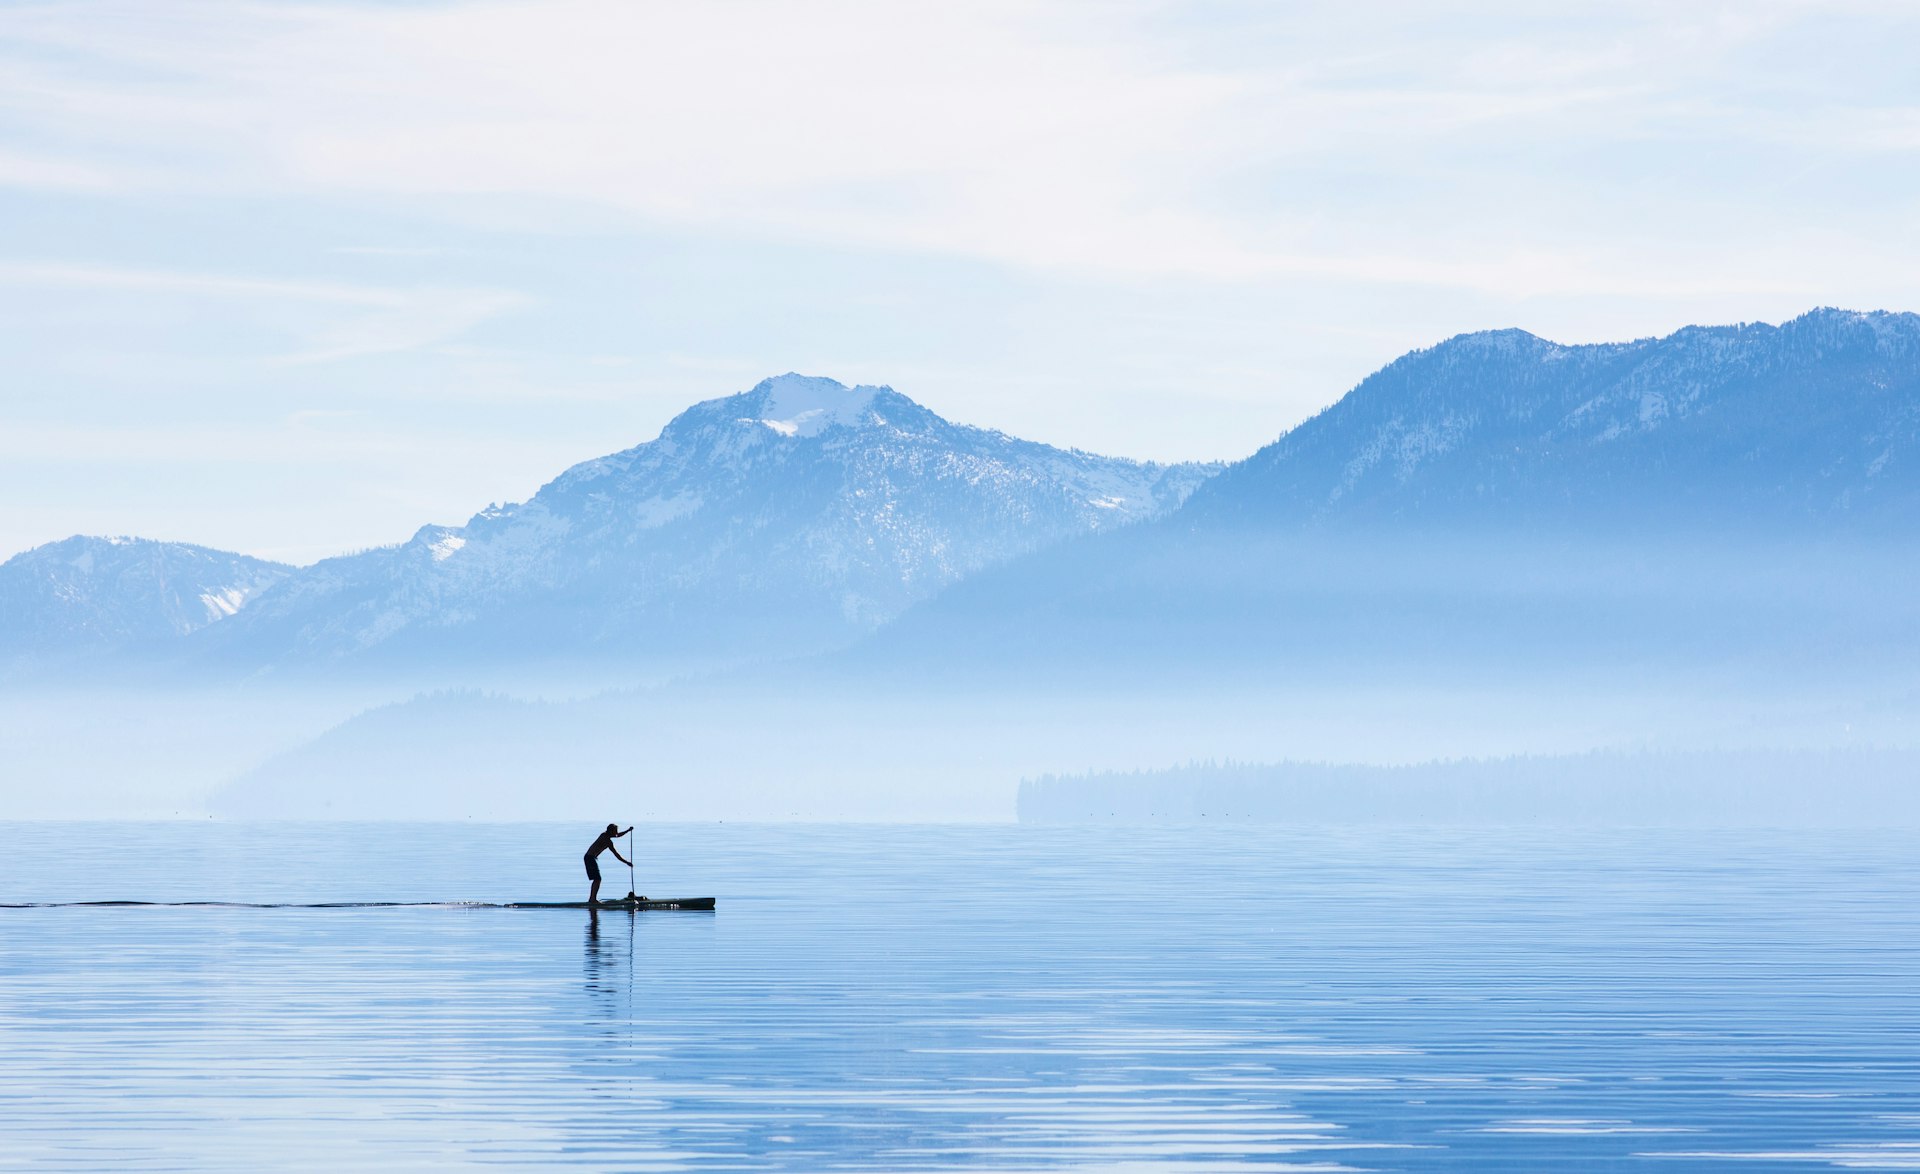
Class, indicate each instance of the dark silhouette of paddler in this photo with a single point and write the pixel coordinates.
(603, 843)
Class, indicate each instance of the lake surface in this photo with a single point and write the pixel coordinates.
(963, 998)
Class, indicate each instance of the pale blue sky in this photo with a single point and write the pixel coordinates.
(295, 279)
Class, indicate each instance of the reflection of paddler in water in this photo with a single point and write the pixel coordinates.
(594, 959)
(603, 971)
(604, 843)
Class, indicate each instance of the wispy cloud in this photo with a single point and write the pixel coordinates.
(1097, 138)
(388, 251)
(80, 275)
(419, 318)
(1219, 214)
(19, 169)
(391, 318)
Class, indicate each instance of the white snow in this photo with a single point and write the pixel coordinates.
(800, 405)
(221, 604)
(444, 548)
(657, 511)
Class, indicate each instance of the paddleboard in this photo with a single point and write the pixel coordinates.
(622, 903)
(656, 903)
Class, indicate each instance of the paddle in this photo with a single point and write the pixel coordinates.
(632, 888)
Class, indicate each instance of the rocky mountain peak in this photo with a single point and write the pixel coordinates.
(806, 405)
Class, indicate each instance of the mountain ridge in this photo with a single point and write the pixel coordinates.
(803, 514)
(85, 594)
(793, 516)
(1502, 504)
(1506, 422)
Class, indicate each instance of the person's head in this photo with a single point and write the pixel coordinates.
(613, 827)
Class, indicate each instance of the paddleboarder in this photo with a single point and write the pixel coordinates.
(603, 843)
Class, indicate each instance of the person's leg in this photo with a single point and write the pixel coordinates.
(593, 894)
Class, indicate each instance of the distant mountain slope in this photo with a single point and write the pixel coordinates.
(1852, 787)
(87, 594)
(785, 519)
(1812, 423)
(1718, 495)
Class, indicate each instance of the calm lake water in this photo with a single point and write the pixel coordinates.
(978, 998)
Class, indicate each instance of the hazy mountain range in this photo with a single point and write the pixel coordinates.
(1499, 504)
(1743, 788)
(1492, 469)
(792, 517)
(1496, 545)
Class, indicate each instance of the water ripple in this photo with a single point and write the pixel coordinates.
(988, 999)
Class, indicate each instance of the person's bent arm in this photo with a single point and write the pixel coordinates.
(617, 856)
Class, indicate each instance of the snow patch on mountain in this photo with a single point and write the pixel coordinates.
(656, 512)
(800, 405)
(87, 594)
(221, 604)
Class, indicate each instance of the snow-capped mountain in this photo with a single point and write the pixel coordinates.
(787, 518)
(1717, 494)
(1815, 422)
(86, 594)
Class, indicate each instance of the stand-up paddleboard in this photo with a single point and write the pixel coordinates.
(620, 903)
(664, 904)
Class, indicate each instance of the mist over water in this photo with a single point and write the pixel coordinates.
(943, 998)
(815, 601)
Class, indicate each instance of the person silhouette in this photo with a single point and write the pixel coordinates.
(603, 843)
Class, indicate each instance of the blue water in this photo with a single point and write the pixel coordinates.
(978, 998)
